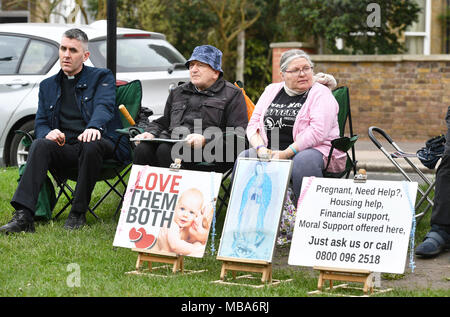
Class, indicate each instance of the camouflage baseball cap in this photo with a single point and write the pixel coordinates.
(207, 54)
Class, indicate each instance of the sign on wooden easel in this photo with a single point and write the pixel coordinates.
(346, 225)
(253, 215)
(167, 213)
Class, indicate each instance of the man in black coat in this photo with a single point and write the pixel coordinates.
(208, 113)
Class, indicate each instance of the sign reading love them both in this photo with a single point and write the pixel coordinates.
(348, 225)
(167, 210)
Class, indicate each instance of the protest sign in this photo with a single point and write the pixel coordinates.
(254, 210)
(343, 224)
(167, 210)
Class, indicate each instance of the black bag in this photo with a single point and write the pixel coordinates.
(142, 119)
(432, 152)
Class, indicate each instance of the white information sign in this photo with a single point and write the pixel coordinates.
(343, 224)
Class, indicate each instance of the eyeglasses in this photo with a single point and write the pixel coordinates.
(306, 70)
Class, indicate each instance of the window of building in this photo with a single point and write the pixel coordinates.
(417, 36)
(14, 11)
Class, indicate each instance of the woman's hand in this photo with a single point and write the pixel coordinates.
(263, 152)
(281, 155)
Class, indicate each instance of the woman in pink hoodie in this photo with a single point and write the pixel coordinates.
(296, 119)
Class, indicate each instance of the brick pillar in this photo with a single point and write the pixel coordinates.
(277, 51)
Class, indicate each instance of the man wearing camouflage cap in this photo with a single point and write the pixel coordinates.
(207, 99)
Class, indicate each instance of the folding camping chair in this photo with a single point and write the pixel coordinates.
(113, 172)
(343, 143)
(398, 154)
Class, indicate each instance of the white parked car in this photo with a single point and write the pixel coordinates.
(29, 54)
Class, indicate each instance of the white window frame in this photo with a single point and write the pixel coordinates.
(427, 34)
(64, 9)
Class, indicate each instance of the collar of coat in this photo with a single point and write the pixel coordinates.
(82, 81)
(210, 91)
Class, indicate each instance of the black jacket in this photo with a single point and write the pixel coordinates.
(222, 105)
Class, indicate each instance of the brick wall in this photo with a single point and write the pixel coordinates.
(405, 95)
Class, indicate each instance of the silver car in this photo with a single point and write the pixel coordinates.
(29, 54)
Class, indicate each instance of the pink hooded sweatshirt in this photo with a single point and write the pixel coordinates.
(315, 126)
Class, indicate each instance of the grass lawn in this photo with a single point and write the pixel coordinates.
(57, 262)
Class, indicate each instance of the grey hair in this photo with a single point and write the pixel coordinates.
(79, 35)
(288, 56)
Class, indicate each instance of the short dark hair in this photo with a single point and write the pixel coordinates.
(79, 35)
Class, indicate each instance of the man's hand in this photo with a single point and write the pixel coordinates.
(196, 140)
(144, 136)
(89, 135)
(56, 136)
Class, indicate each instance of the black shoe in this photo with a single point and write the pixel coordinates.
(75, 221)
(434, 244)
(21, 221)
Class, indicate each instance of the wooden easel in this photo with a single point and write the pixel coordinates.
(144, 255)
(349, 275)
(244, 265)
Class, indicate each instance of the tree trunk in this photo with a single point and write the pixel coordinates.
(240, 60)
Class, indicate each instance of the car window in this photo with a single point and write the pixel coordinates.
(138, 54)
(38, 58)
(11, 48)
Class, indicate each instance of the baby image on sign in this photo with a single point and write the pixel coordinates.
(167, 211)
(348, 225)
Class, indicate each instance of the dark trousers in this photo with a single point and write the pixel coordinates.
(161, 155)
(45, 155)
(440, 215)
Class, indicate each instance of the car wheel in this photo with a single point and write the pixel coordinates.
(18, 152)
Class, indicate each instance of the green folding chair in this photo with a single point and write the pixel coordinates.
(343, 143)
